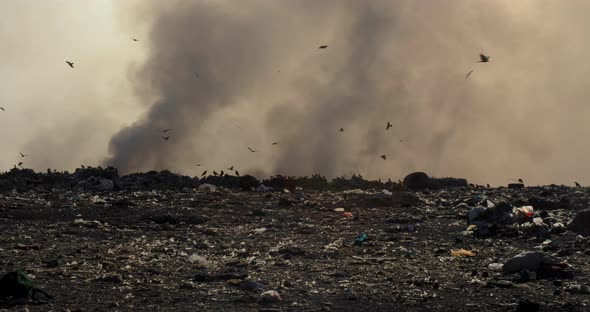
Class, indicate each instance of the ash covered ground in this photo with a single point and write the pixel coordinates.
(159, 241)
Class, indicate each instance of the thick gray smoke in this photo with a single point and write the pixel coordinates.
(227, 75)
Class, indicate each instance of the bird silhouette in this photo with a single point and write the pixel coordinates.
(237, 173)
(251, 150)
(230, 168)
(215, 173)
(166, 138)
(578, 184)
(383, 156)
(323, 46)
(341, 129)
(134, 39)
(20, 164)
(204, 173)
(70, 63)
(2, 108)
(166, 130)
(520, 180)
(487, 185)
(275, 143)
(389, 125)
(468, 74)
(484, 58)
(221, 173)
(22, 155)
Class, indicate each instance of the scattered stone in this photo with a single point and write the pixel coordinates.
(581, 223)
(270, 296)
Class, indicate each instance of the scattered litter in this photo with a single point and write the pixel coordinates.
(270, 296)
(462, 253)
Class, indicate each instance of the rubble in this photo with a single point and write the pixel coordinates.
(581, 223)
(158, 242)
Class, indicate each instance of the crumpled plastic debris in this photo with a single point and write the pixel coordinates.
(270, 296)
(462, 253)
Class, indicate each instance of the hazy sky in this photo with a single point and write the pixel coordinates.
(226, 75)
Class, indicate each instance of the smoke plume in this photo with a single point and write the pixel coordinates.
(228, 75)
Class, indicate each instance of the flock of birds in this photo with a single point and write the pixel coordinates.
(483, 59)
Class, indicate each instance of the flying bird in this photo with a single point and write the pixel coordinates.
(166, 130)
(468, 74)
(204, 173)
(389, 125)
(237, 173)
(323, 47)
(22, 155)
(230, 168)
(2, 108)
(484, 58)
(20, 164)
(70, 63)
(251, 150)
(166, 138)
(275, 143)
(134, 39)
(215, 173)
(520, 180)
(341, 129)
(383, 156)
(578, 184)
(221, 173)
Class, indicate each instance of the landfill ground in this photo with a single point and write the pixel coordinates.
(218, 250)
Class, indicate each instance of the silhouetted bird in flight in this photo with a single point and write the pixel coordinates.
(389, 125)
(204, 173)
(22, 155)
(578, 184)
(251, 150)
(134, 39)
(383, 156)
(520, 180)
(484, 58)
(166, 130)
(323, 46)
(468, 74)
(237, 173)
(275, 143)
(230, 168)
(20, 164)
(215, 173)
(2, 108)
(166, 138)
(341, 129)
(221, 173)
(70, 63)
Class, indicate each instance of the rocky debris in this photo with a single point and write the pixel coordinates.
(539, 262)
(578, 289)
(158, 248)
(515, 185)
(270, 296)
(207, 187)
(581, 223)
(16, 287)
(97, 184)
(421, 181)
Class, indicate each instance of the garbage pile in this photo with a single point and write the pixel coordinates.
(100, 179)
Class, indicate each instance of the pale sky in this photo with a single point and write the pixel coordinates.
(75, 110)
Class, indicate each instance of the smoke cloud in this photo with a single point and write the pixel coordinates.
(227, 75)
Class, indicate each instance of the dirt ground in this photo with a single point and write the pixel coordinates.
(201, 250)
